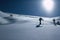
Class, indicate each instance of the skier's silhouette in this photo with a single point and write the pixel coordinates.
(40, 19)
(58, 23)
(54, 22)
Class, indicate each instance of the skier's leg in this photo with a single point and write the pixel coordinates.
(40, 23)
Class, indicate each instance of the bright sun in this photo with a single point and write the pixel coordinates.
(48, 5)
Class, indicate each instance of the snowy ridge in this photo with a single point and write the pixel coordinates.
(5, 18)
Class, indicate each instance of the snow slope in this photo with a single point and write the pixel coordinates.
(23, 27)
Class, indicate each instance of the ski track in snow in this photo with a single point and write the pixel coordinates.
(23, 27)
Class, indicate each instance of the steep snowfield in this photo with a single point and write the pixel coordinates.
(23, 27)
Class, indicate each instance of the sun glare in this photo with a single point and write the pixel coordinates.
(48, 5)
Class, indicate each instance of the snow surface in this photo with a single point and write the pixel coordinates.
(23, 27)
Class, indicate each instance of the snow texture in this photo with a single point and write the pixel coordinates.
(23, 27)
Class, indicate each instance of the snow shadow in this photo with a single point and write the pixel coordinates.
(11, 21)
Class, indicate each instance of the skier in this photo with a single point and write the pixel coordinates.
(40, 19)
(58, 23)
(54, 21)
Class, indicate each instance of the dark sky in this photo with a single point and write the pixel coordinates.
(27, 7)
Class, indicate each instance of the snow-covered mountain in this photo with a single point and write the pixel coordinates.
(6, 16)
(23, 27)
(20, 18)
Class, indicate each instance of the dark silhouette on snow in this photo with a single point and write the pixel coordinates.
(54, 22)
(40, 19)
(11, 15)
(58, 23)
